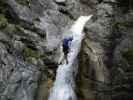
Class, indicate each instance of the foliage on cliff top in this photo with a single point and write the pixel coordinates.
(3, 21)
(128, 55)
(28, 52)
(24, 2)
(127, 24)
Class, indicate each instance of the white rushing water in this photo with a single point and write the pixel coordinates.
(63, 88)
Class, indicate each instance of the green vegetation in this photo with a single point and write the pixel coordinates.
(10, 28)
(28, 52)
(127, 24)
(3, 6)
(31, 56)
(24, 2)
(128, 55)
(7, 27)
(3, 21)
(19, 29)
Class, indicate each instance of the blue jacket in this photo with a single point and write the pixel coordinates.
(66, 42)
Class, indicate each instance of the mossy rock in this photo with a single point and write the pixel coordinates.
(3, 21)
(28, 52)
(31, 60)
(128, 55)
(7, 27)
(127, 24)
(3, 6)
(24, 2)
(12, 28)
(19, 29)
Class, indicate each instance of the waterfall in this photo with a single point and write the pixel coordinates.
(63, 88)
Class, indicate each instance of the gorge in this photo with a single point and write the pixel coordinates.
(31, 34)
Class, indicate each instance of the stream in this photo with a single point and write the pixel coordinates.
(64, 85)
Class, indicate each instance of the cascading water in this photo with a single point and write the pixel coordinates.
(63, 88)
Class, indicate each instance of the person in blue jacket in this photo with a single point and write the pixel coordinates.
(66, 46)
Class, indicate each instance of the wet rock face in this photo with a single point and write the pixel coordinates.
(110, 36)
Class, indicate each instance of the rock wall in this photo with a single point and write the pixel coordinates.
(108, 37)
(30, 38)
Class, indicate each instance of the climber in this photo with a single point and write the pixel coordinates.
(66, 46)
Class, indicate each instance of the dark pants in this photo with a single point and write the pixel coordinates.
(65, 50)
